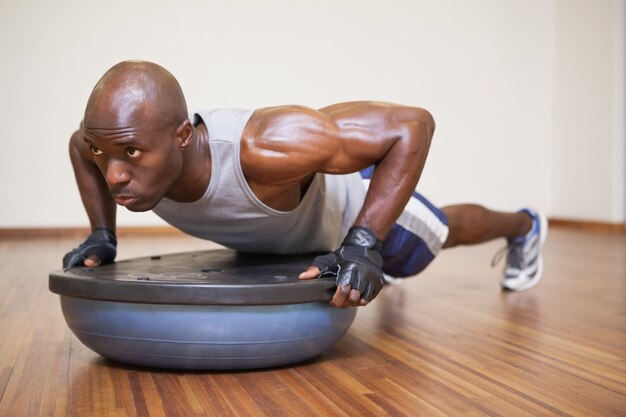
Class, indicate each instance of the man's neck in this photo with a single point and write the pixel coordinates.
(196, 173)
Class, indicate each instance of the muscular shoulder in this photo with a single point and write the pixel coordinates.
(78, 145)
(291, 142)
(285, 126)
(285, 143)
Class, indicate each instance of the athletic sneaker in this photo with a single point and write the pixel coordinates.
(524, 262)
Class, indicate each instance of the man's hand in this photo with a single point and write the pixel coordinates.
(99, 248)
(356, 266)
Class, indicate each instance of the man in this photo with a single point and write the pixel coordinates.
(280, 180)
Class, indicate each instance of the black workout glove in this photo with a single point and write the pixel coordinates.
(356, 263)
(101, 243)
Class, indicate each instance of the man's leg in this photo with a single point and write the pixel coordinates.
(470, 224)
(525, 232)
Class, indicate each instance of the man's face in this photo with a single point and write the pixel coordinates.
(140, 163)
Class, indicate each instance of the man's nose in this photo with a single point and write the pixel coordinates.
(117, 173)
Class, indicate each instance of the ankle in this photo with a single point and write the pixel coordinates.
(527, 223)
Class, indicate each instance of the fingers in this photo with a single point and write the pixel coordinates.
(92, 261)
(312, 272)
(346, 296)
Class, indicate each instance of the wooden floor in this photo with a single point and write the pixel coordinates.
(447, 343)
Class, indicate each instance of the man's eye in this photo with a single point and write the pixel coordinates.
(132, 152)
(95, 150)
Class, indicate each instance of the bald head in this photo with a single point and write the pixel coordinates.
(136, 92)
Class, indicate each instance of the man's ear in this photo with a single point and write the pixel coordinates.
(184, 134)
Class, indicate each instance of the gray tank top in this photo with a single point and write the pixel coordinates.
(230, 214)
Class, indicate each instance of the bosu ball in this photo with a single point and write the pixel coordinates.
(207, 310)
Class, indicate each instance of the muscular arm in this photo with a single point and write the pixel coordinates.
(99, 204)
(286, 144)
(397, 140)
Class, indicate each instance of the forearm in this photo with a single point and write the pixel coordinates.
(94, 193)
(396, 175)
(352, 137)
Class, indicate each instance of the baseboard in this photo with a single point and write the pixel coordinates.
(62, 232)
(590, 226)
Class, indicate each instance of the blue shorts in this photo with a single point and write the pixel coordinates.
(415, 239)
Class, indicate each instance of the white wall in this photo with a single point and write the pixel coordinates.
(588, 159)
(486, 69)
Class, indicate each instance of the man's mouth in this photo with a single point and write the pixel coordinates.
(124, 200)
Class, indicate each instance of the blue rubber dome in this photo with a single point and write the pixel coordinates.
(211, 310)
